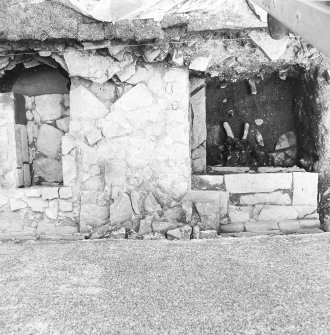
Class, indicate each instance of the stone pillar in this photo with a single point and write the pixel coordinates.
(8, 158)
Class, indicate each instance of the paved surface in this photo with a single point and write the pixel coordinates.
(264, 285)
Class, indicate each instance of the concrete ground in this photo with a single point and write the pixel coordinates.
(257, 285)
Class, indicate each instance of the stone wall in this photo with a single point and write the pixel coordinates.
(126, 157)
(129, 143)
(256, 202)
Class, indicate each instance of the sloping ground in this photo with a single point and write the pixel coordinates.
(40, 20)
(264, 285)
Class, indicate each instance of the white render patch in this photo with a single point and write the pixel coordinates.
(257, 183)
(305, 188)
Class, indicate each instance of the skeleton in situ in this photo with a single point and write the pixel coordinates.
(240, 152)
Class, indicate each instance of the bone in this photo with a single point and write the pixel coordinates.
(246, 131)
(228, 130)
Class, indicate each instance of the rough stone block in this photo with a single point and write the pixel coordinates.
(66, 230)
(16, 204)
(49, 106)
(310, 223)
(175, 214)
(33, 192)
(259, 182)
(19, 154)
(304, 211)
(196, 232)
(48, 169)
(118, 234)
(186, 232)
(174, 234)
(289, 225)
(94, 136)
(26, 175)
(24, 144)
(49, 193)
(239, 214)
(305, 188)
(65, 192)
(260, 226)
(69, 170)
(145, 226)
(198, 109)
(164, 226)
(209, 214)
(49, 141)
(274, 198)
(277, 213)
(63, 124)
(45, 228)
(94, 215)
(65, 206)
(67, 145)
(120, 210)
(208, 234)
(84, 105)
(3, 200)
(36, 204)
(52, 210)
(207, 182)
(232, 228)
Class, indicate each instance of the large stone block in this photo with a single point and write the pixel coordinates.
(49, 193)
(305, 188)
(49, 106)
(49, 141)
(69, 170)
(209, 214)
(48, 169)
(94, 67)
(239, 214)
(121, 210)
(94, 215)
(274, 198)
(84, 105)
(259, 182)
(277, 213)
(198, 108)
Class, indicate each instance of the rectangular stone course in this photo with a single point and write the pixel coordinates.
(258, 182)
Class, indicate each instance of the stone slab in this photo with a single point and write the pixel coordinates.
(238, 214)
(277, 213)
(258, 182)
(275, 198)
(305, 188)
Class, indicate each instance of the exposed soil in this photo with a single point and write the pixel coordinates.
(233, 102)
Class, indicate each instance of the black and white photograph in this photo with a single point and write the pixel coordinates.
(164, 167)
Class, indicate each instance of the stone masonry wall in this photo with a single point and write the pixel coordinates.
(257, 202)
(129, 144)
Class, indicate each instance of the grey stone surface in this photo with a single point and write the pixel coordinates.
(238, 272)
(49, 141)
(48, 168)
